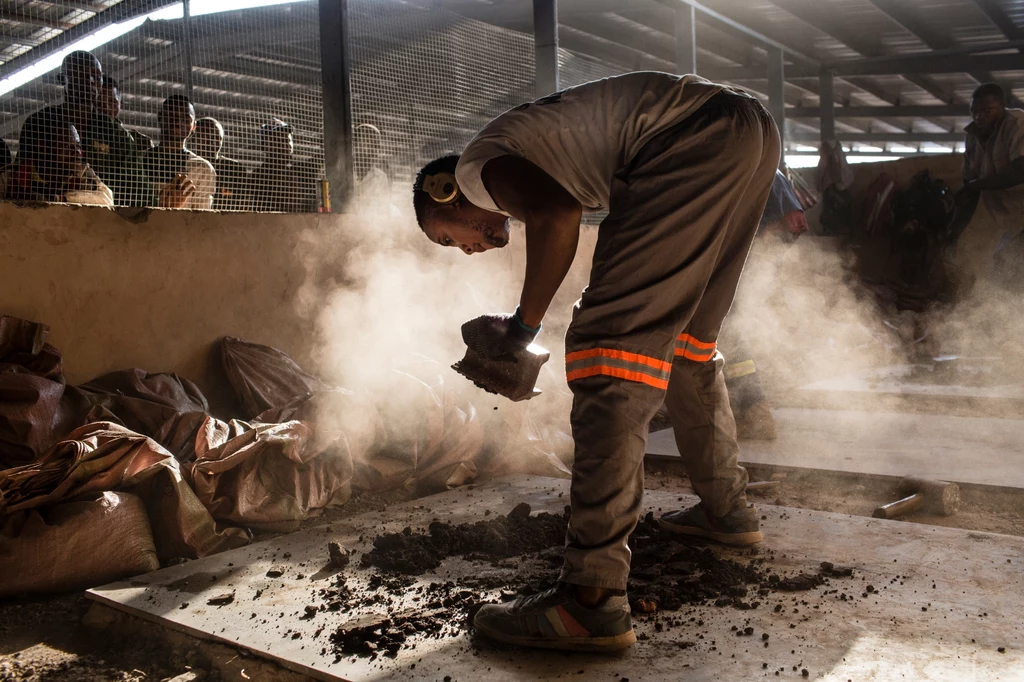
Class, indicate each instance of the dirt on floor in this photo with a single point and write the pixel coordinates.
(45, 639)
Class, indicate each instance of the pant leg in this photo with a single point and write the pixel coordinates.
(666, 233)
(698, 400)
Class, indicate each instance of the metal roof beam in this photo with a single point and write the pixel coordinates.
(796, 55)
(897, 11)
(890, 66)
(996, 14)
(886, 137)
(598, 48)
(33, 20)
(126, 9)
(832, 25)
(942, 111)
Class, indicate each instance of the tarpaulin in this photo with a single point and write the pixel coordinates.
(36, 408)
(76, 545)
(104, 457)
(434, 438)
(263, 377)
(165, 407)
(269, 476)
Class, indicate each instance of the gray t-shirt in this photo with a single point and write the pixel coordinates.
(581, 136)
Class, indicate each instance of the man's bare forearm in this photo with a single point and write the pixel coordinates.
(551, 243)
(1011, 176)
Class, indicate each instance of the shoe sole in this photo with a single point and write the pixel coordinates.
(734, 539)
(593, 644)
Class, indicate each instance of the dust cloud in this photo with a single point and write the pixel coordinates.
(387, 301)
(801, 314)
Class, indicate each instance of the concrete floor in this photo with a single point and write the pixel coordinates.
(948, 377)
(963, 449)
(946, 601)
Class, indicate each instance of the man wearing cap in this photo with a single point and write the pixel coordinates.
(684, 167)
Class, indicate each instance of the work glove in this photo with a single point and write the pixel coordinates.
(492, 336)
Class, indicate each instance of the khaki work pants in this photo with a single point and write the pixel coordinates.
(668, 258)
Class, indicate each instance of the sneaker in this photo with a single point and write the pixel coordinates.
(738, 527)
(553, 620)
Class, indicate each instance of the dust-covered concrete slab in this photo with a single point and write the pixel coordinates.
(962, 449)
(923, 603)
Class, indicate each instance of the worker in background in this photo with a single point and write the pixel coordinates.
(109, 149)
(234, 181)
(994, 166)
(282, 183)
(51, 167)
(684, 167)
(170, 158)
(371, 175)
(109, 104)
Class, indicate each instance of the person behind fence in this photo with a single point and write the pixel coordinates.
(109, 149)
(994, 166)
(109, 104)
(685, 167)
(282, 184)
(371, 169)
(234, 181)
(51, 166)
(170, 159)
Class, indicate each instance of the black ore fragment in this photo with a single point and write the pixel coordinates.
(519, 512)
(339, 558)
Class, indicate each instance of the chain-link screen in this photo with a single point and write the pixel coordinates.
(130, 79)
(127, 78)
(427, 80)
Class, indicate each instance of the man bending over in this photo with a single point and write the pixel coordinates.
(684, 167)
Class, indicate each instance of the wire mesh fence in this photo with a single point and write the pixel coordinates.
(423, 82)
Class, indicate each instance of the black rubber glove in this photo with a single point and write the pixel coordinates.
(495, 335)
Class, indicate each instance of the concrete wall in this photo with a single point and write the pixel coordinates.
(157, 294)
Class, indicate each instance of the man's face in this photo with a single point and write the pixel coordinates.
(179, 122)
(82, 81)
(472, 231)
(109, 101)
(207, 140)
(986, 112)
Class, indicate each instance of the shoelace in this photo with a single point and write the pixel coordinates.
(535, 598)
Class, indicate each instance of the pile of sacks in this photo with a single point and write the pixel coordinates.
(131, 471)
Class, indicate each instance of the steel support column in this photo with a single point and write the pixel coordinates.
(337, 100)
(186, 46)
(686, 39)
(776, 91)
(826, 96)
(545, 41)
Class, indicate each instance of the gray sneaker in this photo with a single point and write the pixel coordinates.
(553, 620)
(738, 527)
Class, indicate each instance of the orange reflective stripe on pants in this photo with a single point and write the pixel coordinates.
(617, 363)
(692, 349)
